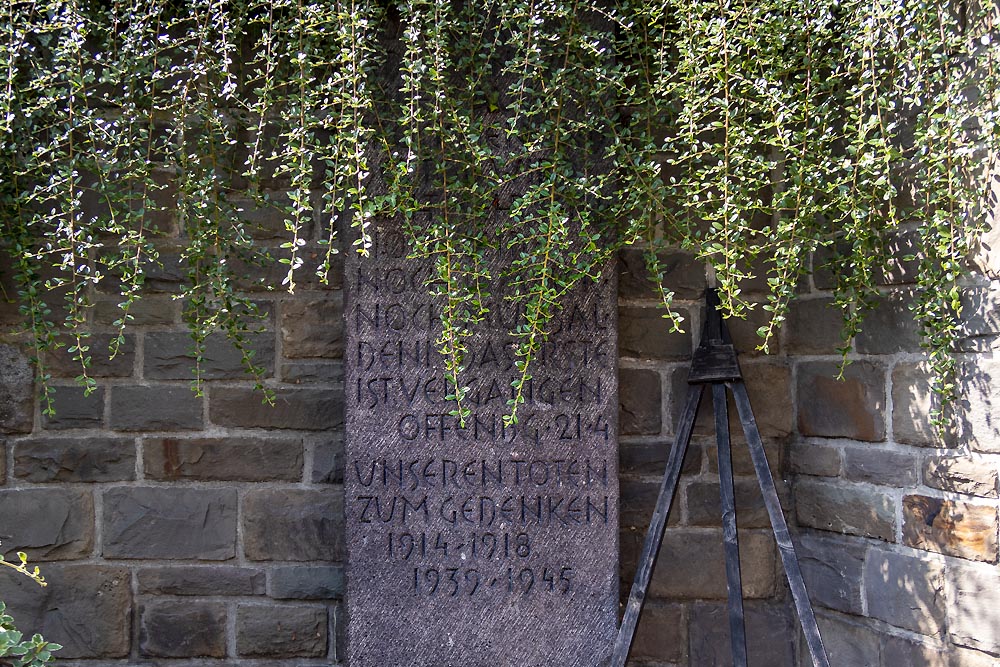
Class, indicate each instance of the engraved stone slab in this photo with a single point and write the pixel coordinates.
(480, 545)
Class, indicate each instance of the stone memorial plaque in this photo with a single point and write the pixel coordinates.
(481, 545)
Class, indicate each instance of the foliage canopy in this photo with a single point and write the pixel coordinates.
(548, 132)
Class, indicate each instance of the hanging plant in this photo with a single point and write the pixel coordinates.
(517, 142)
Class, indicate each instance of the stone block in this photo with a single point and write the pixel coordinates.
(281, 631)
(176, 523)
(308, 371)
(906, 591)
(974, 606)
(243, 459)
(980, 325)
(832, 569)
(313, 327)
(742, 463)
(901, 651)
(643, 333)
(265, 221)
(155, 408)
(847, 643)
(307, 409)
(182, 630)
(849, 408)
(682, 273)
(650, 458)
(808, 458)
(328, 460)
(813, 327)
(86, 608)
(661, 634)
(845, 508)
(75, 410)
(889, 327)
(950, 527)
(148, 310)
(691, 565)
(87, 459)
(47, 524)
(201, 581)
(704, 506)
(912, 404)
(61, 363)
(17, 382)
(307, 583)
(979, 412)
(743, 331)
(903, 251)
(769, 630)
(961, 475)
(169, 355)
(880, 466)
(637, 500)
(639, 401)
(293, 524)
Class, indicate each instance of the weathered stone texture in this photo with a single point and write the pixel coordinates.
(149, 310)
(979, 416)
(302, 408)
(639, 396)
(847, 643)
(177, 408)
(328, 460)
(912, 403)
(281, 631)
(313, 327)
(16, 390)
(705, 506)
(661, 634)
(961, 475)
(74, 409)
(682, 273)
(906, 591)
(974, 606)
(877, 466)
(293, 524)
(87, 459)
(806, 458)
(832, 570)
(48, 524)
(848, 408)
(950, 527)
(889, 328)
(169, 355)
(644, 334)
(201, 580)
(851, 509)
(182, 630)
(152, 522)
(769, 630)
(900, 651)
(62, 363)
(85, 608)
(814, 327)
(690, 565)
(308, 371)
(211, 459)
(300, 582)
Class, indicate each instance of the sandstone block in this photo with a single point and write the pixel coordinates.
(213, 459)
(182, 630)
(849, 408)
(74, 410)
(878, 466)
(85, 608)
(974, 606)
(308, 583)
(846, 643)
(889, 327)
(169, 355)
(155, 408)
(281, 631)
(950, 527)
(813, 327)
(691, 565)
(199, 581)
(639, 406)
(309, 371)
(661, 634)
(979, 421)
(313, 327)
(832, 569)
(912, 403)
(643, 333)
(682, 273)
(650, 458)
(154, 522)
(328, 460)
(769, 630)
(16, 391)
(906, 591)
(61, 363)
(293, 524)
(900, 651)
(807, 458)
(48, 524)
(149, 310)
(705, 506)
(308, 409)
(88, 459)
(844, 508)
(961, 475)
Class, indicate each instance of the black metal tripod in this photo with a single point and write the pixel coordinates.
(715, 363)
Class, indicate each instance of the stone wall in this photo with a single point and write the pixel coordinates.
(183, 529)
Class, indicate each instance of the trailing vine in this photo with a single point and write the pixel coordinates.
(518, 143)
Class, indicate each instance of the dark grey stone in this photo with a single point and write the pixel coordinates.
(682, 273)
(85, 608)
(806, 458)
(182, 630)
(48, 524)
(845, 508)
(293, 524)
(900, 651)
(661, 634)
(211, 459)
(282, 631)
(644, 334)
(87, 459)
(155, 408)
(848, 643)
(73, 409)
(832, 571)
(813, 327)
(313, 327)
(460, 518)
(16, 391)
(650, 458)
(328, 460)
(199, 581)
(307, 583)
(868, 464)
(639, 401)
(153, 522)
(705, 508)
(906, 591)
(769, 629)
(691, 565)
(62, 363)
(302, 408)
(169, 355)
(889, 327)
(852, 407)
(148, 310)
(307, 371)
(974, 606)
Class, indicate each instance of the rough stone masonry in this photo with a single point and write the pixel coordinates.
(183, 530)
